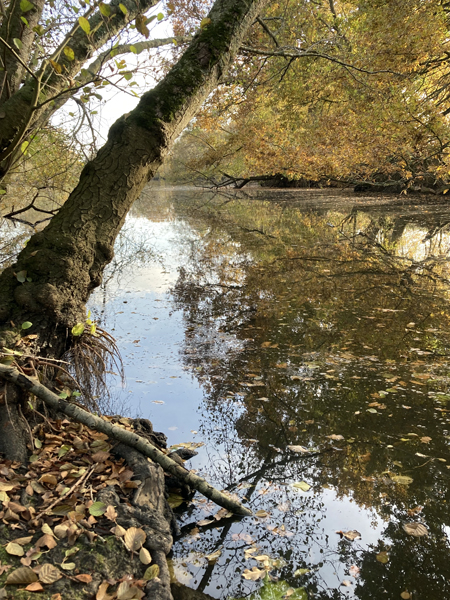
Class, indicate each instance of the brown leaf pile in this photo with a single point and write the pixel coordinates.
(54, 500)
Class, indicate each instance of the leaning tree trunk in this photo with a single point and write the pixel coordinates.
(65, 261)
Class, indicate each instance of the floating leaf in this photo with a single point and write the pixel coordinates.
(301, 572)
(213, 556)
(299, 449)
(382, 557)
(405, 595)
(151, 572)
(350, 535)
(21, 576)
(134, 538)
(415, 529)
(301, 485)
(97, 509)
(254, 574)
(335, 437)
(402, 479)
(261, 514)
(21, 276)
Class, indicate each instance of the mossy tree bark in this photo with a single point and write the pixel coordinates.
(65, 261)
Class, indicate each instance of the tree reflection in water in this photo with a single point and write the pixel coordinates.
(309, 322)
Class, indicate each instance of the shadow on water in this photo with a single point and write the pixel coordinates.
(303, 337)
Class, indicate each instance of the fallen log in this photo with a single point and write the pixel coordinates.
(128, 438)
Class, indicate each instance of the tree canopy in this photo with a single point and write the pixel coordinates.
(334, 90)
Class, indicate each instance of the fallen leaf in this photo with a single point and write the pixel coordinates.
(335, 436)
(299, 449)
(134, 538)
(415, 529)
(213, 556)
(97, 509)
(35, 587)
(350, 535)
(84, 577)
(151, 572)
(49, 573)
(22, 575)
(254, 574)
(144, 556)
(382, 557)
(261, 514)
(425, 439)
(402, 479)
(301, 485)
(14, 549)
(405, 595)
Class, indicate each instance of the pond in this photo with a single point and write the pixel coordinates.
(299, 340)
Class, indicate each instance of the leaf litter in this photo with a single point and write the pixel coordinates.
(70, 464)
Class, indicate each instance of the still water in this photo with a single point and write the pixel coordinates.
(301, 340)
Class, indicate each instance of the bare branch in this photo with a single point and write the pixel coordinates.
(295, 53)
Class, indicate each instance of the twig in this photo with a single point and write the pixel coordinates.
(81, 480)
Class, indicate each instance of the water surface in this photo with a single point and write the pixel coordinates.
(303, 339)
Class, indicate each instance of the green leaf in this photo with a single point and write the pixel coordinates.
(105, 9)
(128, 75)
(277, 590)
(123, 9)
(77, 329)
(160, 16)
(26, 324)
(18, 43)
(70, 54)
(76, 394)
(84, 24)
(25, 5)
(97, 509)
(37, 443)
(151, 572)
(204, 23)
(63, 451)
(21, 276)
(24, 21)
(133, 49)
(63, 395)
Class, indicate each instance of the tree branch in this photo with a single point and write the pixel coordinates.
(129, 438)
(294, 53)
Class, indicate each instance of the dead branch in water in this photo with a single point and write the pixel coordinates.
(128, 438)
